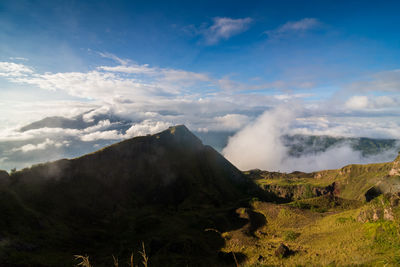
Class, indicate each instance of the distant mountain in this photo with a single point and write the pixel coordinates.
(77, 122)
(58, 122)
(93, 131)
(300, 145)
(218, 140)
(165, 189)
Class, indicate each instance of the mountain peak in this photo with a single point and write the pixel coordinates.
(179, 134)
(179, 128)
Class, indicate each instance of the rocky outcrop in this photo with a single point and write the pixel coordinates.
(381, 209)
(296, 192)
(282, 251)
(395, 171)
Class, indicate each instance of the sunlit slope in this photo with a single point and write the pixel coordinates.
(354, 181)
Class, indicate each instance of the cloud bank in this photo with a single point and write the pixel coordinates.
(259, 146)
(127, 99)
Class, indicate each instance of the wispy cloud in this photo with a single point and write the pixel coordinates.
(293, 28)
(385, 81)
(19, 58)
(222, 28)
(113, 57)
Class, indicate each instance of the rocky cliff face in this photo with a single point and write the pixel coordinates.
(395, 170)
(287, 193)
(386, 207)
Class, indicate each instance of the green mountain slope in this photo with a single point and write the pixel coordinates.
(354, 181)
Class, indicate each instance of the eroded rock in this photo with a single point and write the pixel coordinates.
(282, 251)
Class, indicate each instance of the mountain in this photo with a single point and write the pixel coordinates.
(355, 182)
(63, 137)
(77, 122)
(191, 207)
(164, 189)
(300, 145)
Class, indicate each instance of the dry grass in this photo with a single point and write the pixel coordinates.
(84, 260)
(115, 261)
(144, 256)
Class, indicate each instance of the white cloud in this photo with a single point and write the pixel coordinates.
(14, 134)
(89, 117)
(41, 146)
(293, 27)
(372, 103)
(113, 84)
(334, 158)
(102, 135)
(138, 129)
(10, 69)
(146, 127)
(231, 122)
(347, 126)
(92, 85)
(225, 28)
(357, 102)
(259, 144)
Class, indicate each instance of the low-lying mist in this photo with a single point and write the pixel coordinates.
(259, 146)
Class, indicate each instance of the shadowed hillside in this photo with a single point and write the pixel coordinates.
(166, 190)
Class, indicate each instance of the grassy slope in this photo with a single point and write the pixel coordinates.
(317, 239)
(324, 231)
(353, 180)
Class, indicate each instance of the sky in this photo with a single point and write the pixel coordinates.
(128, 68)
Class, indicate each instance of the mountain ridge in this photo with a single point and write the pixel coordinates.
(125, 193)
(192, 207)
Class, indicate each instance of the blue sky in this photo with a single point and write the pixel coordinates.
(350, 36)
(212, 65)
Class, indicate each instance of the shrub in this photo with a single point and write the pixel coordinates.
(291, 235)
